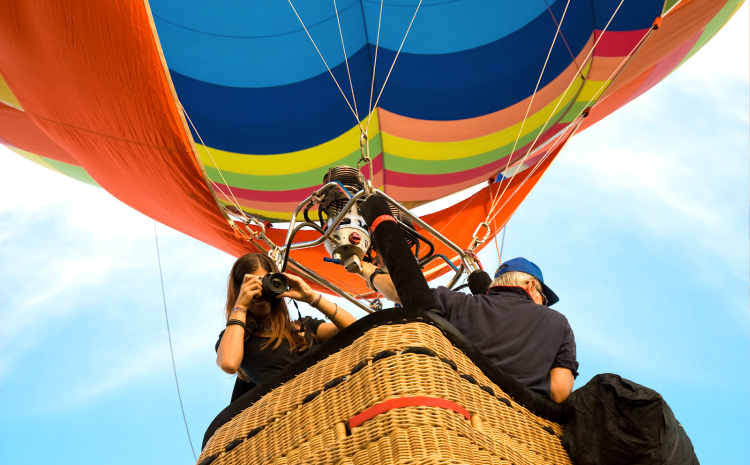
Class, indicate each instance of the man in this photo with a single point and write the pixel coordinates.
(511, 325)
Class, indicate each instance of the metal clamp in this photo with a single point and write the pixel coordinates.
(475, 241)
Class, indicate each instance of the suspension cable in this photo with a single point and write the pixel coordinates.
(599, 92)
(533, 96)
(374, 64)
(536, 166)
(359, 123)
(169, 336)
(562, 36)
(346, 60)
(394, 61)
(236, 203)
(541, 131)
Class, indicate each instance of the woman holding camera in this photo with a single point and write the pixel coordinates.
(260, 338)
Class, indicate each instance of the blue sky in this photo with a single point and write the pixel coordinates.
(640, 226)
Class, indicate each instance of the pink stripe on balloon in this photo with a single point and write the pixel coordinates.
(666, 66)
(617, 43)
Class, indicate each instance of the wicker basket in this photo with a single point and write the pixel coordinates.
(400, 393)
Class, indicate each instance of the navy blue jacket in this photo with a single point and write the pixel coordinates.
(524, 339)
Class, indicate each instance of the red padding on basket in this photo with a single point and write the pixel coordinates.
(406, 402)
(379, 220)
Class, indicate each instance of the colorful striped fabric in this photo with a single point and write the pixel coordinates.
(274, 120)
(100, 104)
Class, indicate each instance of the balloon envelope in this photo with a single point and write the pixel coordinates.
(104, 104)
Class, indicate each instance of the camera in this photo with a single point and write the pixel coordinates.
(274, 284)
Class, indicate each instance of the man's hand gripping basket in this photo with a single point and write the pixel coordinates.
(399, 386)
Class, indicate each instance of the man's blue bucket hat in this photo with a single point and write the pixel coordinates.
(525, 266)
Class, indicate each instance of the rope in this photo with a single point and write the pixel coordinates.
(394, 61)
(557, 105)
(499, 254)
(346, 60)
(607, 82)
(236, 203)
(533, 96)
(563, 37)
(375, 63)
(169, 335)
(500, 257)
(531, 173)
(325, 63)
(610, 79)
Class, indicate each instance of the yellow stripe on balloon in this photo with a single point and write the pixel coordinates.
(36, 159)
(290, 163)
(7, 97)
(418, 150)
(592, 90)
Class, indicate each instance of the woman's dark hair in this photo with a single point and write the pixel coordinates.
(282, 327)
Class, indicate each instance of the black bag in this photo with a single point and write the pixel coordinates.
(614, 421)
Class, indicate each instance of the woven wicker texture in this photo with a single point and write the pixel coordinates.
(303, 421)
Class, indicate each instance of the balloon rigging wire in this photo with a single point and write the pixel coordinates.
(552, 113)
(359, 123)
(346, 61)
(500, 251)
(531, 102)
(535, 167)
(169, 335)
(606, 83)
(374, 66)
(394, 61)
(563, 36)
(236, 203)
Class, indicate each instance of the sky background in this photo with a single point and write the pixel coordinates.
(640, 226)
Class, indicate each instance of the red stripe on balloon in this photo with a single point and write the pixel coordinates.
(396, 178)
(617, 43)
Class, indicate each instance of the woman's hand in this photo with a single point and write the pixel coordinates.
(298, 290)
(251, 288)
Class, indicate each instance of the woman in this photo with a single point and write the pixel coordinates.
(260, 339)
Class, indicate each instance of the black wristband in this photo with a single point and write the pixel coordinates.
(250, 327)
(375, 273)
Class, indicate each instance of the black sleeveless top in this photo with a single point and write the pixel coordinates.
(259, 364)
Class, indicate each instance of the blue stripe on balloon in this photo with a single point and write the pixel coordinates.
(278, 119)
(261, 44)
(453, 86)
(633, 15)
(433, 87)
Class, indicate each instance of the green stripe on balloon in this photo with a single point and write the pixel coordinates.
(413, 166)
(75, 172)
(287, 182)
(714, 26)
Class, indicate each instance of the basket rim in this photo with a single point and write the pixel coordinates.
(535, 403)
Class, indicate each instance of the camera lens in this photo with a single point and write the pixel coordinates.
(274, 284)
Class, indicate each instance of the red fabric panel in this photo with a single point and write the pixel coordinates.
(90, 75)
(402, 402)
(617, 43)
(21, 132)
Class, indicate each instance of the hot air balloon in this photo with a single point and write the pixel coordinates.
(201, 115)
(189, 112)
